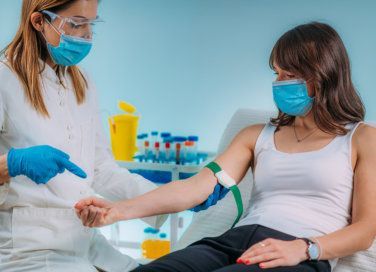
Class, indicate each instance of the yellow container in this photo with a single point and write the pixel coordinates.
(155, 248)
(123, 132)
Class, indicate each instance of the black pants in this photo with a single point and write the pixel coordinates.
(220, 253)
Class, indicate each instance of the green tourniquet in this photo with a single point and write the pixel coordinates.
(239, 203)
(215, 168)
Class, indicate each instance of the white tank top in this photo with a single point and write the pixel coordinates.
(302, 194)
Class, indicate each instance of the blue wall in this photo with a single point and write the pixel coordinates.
(189, 64)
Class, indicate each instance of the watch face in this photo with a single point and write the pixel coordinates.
(313, 251)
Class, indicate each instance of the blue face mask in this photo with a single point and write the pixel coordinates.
(291, 97)
(70, 51)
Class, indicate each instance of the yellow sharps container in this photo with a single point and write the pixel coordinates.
(123, 132)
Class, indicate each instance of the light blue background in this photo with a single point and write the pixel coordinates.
(189, 64)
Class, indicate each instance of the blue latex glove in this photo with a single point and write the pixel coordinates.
(40, 163)
(218, 193)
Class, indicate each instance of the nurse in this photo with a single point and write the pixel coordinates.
(54, 152)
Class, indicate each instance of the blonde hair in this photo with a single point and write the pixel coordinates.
(28, 46)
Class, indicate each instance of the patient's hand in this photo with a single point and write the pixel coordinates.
(97, 212)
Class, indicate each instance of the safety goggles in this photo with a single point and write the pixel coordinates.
(73, 26)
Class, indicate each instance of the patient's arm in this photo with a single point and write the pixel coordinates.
(360, 234)
(177, 195)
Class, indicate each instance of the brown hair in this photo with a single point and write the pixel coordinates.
(28, 46)
(316, 52)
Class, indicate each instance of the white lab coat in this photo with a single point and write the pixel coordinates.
(39, 230)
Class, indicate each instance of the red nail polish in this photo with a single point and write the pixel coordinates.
(247, 262)
(239, 261)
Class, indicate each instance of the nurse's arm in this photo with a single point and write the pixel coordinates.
(178, 195)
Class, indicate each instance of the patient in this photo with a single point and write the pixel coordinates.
(314, 171)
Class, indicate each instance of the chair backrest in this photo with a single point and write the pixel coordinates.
(219, 218)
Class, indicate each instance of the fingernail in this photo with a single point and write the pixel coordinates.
(247, 262)
(239, 261)
(261, 265)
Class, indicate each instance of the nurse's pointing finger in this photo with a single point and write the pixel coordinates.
(70, 166)
(60, 153)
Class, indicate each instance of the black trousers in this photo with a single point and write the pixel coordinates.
(220, 253)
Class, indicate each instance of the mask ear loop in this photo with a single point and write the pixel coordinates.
(56, 30)
(45, 38)
(63, 21)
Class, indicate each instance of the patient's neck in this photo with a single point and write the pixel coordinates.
(306, 122)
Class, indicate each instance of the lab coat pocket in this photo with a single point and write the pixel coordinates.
(5, 230)
(49, 229)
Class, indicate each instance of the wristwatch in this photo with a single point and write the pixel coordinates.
(313, 250)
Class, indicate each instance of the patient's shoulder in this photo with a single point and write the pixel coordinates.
(250, 134)
(364, 139)
(255, 130)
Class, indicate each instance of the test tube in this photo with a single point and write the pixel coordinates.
(178, 153)
(154, 137)
(165, 135)
(167, 152)
(194, 139)
(156, 152)
(140, 148)
(147, 150)
(179, 142)
(172, 156)
(189, 156)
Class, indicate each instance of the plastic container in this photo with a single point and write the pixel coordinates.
(146, 245)
(165, 135)
(172, 151)
(194, 139)
(154, 137)
(123, 132)
(165, 147)
(148, 152)
(150, 245)
(140, 155)
(156, 157)
(178, 147)
(168, 152)
(164, 245)
(190, 156)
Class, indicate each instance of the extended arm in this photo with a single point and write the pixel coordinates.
(177, 195)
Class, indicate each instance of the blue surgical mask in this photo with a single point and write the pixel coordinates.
(70, 51)
(291, 97)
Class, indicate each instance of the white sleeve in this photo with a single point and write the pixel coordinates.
(104, 256)
(114, 182)
(4, 189)
(2, 110)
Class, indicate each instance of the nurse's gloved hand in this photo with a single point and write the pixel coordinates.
(40, 163)
(218, 193)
